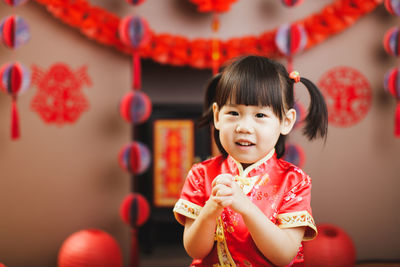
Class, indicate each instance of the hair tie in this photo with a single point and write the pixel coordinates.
(295, 75)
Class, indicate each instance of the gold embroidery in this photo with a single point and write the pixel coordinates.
(187, 208)
(224, 256)
(295, 219)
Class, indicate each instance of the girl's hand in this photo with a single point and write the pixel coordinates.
(226, 192)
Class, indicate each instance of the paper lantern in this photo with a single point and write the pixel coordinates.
(393, 7)
(392, 85)
(135, 107)
(14, 31)
(134, 158)
(391, 41)
(135, 2)
(15, 2)
(15, 79)
(294, 154)
(332, 247)
(2, 265)
(134, 31)
(291, 39)
(291, 3)
(90, 248)
(135, 209)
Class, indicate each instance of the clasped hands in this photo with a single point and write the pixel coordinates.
(227, 193)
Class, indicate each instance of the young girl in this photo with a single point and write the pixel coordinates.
(248, 207)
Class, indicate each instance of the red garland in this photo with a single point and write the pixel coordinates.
(213, 5)
(102, 26)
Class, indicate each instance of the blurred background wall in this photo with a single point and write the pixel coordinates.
(58, 180)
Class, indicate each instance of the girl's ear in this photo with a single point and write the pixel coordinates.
(288, 121)
(215, 114)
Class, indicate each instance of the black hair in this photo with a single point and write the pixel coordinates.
(257, 80)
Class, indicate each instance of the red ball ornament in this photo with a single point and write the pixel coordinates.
(135, 209)
(294, 154)
(291, 3)
(300, 114)
(135, 107)
(332, 247)
(2, 265)
(135, 2)
(391, 41)
(393, 7)
(14, 31)
(392, 85)
(134, 158)
(134, 31)
(90, 248)
(291, 38)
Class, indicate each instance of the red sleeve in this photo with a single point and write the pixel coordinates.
(296, 206)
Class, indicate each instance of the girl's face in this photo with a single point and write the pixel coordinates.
(249, 133)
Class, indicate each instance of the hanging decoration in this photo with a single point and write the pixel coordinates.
(15, 80)
(294, 154)
(213, 5)
(14, 31)
(392, 86)
(135, 210)
(15, 3)
(348, 95)
(135, 107)
(391, 41)
(135, 2)
(290, 40)
(102, 26)
(393, 7)
(300, 114)
(390, 44)
(291, 3)
(215, 53)
(59, 99)
(134, 158)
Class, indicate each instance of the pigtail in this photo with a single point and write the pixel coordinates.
(209, 99)
(317, 117)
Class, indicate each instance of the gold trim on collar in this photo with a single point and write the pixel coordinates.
(244, 173)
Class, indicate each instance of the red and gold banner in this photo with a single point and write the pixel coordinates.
(173, 158)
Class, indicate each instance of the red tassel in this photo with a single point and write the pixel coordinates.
(14, 120)
(289, 64)
(397, 120)
(137, 71)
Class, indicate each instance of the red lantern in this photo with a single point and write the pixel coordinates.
(291, 3)
(332, 247)
(392, 85)
(135, 210)
(135, 107)
(213, 5)
(90, 248)
(15, 2)
(134, 158)
(14, 31)
(393, 7)
(135, 2)
(391, 41)
(14, 80)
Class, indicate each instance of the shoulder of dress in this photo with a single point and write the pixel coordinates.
(292, 169)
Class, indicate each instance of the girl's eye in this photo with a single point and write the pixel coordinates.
(261, 115)
(233, 113)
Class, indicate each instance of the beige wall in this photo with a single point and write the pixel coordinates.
(58, 180)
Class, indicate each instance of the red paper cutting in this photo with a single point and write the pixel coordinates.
(348, 95)
(59, 98)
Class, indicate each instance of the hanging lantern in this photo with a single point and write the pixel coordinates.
(300, 114)
(294, 154)
(291, 3)
(15, 2)
(15, 79)
(134, 31)
(134, 158)
(90, 248)
(14, 31)
(135, 2)
(135, 107)
(290, 39)
(213, 5)
(392, 85)
(391, 41)
(393, 7)
(135, 210)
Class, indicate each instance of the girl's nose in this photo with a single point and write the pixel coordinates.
(244, 126)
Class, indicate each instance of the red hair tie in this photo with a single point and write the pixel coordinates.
(295, 75)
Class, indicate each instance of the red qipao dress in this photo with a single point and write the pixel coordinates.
(280, 190)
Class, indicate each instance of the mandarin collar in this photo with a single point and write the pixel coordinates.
(253, 169)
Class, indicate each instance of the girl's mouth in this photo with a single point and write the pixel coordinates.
(244, 143)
